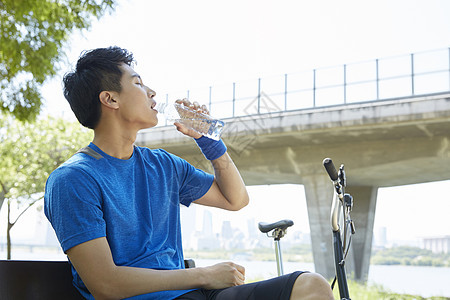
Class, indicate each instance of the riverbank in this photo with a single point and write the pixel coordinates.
(409, 256)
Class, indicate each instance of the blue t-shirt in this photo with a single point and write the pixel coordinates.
(134, 203)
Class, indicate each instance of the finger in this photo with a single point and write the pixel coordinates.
(205, 109)
(180, 127)
(185, 102)
(186, 131)
(240, 273)
(240, 268)
(241, 278)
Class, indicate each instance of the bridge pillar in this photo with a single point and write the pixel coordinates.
(319, 194)
(363, 215)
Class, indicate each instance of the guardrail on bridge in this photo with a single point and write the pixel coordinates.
(379, 79)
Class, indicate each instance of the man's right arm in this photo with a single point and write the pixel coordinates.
(95, 265)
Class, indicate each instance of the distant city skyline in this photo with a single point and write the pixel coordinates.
(201, 232)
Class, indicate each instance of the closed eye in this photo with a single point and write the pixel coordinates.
(138, 79)
(139, 82)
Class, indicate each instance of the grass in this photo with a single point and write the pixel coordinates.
(359, 291)
(375, 292)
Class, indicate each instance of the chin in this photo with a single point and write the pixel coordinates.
(150, 125)
(152, 122)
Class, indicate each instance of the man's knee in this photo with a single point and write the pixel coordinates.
(311, 286)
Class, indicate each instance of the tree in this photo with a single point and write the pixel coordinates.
(33, 34)
(29, 153)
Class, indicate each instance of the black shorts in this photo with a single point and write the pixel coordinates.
(272, 289)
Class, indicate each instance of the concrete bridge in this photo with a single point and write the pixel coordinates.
(382, 143)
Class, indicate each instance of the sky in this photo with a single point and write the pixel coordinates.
(181, 45)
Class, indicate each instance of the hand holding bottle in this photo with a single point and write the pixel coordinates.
(192, 118)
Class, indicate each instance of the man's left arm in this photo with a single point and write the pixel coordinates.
(228, 190)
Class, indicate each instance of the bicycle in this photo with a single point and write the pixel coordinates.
(341, 207)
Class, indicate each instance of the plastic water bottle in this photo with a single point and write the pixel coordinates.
(200, 122)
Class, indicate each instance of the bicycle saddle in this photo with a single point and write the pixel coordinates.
(283, 224)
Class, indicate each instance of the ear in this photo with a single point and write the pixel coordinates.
(107, 98)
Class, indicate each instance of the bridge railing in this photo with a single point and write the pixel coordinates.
(379, 79)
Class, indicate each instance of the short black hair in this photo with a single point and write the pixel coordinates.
(97, 70)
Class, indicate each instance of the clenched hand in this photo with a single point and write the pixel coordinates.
(223, 275)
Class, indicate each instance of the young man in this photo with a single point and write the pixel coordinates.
(115, 206)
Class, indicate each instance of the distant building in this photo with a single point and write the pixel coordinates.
(437, 244)
(227, 231)
(253, 231)
(208, 243)
(207, 228)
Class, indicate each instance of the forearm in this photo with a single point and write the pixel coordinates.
(105, 280)
(135, 281)
(94, 263)
(123, 282)
(229, 190)
(230, 182)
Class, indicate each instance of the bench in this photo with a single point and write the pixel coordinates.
(41, 280)
(21, 280)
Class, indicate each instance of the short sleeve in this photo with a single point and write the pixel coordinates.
(72, 204)
(194, 183)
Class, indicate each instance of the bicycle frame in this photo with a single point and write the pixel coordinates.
(343, 201)
(339, 260)
(342, 204)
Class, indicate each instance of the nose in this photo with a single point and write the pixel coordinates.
(151, 93)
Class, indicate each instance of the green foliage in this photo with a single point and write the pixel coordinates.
(410, 256)
(32, 36)
(30, 151)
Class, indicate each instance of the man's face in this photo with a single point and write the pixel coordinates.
(136, 101)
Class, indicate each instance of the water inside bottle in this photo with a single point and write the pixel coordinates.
(202, 123)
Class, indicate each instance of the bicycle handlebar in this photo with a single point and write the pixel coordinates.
(331, 170)
(340, 247)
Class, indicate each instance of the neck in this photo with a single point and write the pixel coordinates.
(115, 141)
